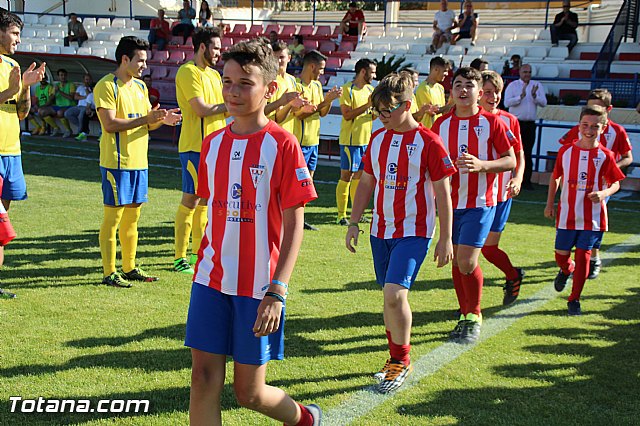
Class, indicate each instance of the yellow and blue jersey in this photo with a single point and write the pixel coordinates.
(356, 132)
(307, 131)
(127, 149)
(432, 94)
(285, 84)
(9, 123)
(193, 82)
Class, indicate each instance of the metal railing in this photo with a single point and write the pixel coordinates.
(602, 65)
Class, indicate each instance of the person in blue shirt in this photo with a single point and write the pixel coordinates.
(187, 16)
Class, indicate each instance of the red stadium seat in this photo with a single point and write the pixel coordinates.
(227, 42)
(327, 47)
(159, 56)
(287, 31)
(176, 57)
(334, 62)
(588, 56)
(622, 76)
(310, 44)
(306, 30)
(346, 46)
(629, 56)
(272, 27)
(188, 55)
(580, 74)
(171, 75)
(238, 30)
(159, 72)
(583, 94)
(323, 32)
(255, 30)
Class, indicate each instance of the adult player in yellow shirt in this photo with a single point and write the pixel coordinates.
(199, 94)
(15, 102)
(307, 118)
(355, 132)
(430, 93)
(125, 114)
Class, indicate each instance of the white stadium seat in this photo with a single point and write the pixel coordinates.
(84, 51)
(496, 50)
(118, 23)
(24, 47)
(46, 20)
(30, 19)
(536, 53)
(103, 23)
(39, 48)
(28, 32)
(560, 52)
(42, 33)
(99, 51)
(68, 50)
(89, 23)
(547, 71)
(59, 21)
(53, 49)
(133, 24)
(417, 49)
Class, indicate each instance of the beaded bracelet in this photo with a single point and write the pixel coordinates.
(275, 296)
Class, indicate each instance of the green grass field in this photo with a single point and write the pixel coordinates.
(66, 338)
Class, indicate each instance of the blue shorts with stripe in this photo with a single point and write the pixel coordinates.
(221, 324)
(122, 187)
(566, 239)
(351, 157)
(503, 209)
(398, 260)
(14, 187)
(190, 162)
(471, 226)
(310, 156)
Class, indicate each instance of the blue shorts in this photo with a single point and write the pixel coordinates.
(310, 156)
(122, 187)
(566, 239)
(398, 260)
(14, 187)
(471, 226)
(351, 157)
(190, 162)
(221, 324)
(502, 215)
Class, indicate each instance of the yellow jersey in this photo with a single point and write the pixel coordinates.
(356, 132)
(430, 94)
(193, 82)
(9, 123)
(128, 149)
(285, 84)
(307, 131)
(414, 105)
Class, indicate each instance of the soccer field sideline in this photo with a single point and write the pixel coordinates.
(368, 399)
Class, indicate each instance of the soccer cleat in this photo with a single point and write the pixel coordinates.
(395, 377)
(574, 307)
(595, 265)
(511, 288)
(82, 136)
(342, 221)
(457, 330)
(471, 329)
(116, 280)
(316, 413)
(379, 376)
(6, 295)
(137, 274)
(310, 227)
(561, 281)
(193, 259)
(182, 265)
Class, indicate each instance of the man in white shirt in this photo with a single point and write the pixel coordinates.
(79, 115)
(523, 97)
(443, 22)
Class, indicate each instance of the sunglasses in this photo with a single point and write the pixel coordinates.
(386, 113)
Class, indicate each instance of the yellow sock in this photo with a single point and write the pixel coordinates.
(184, 220)
(129, 237)
(199, 227)
(107, 238)
(36, 126)
(51, 122)
(66, 124)
(352, 189)
(342, 198)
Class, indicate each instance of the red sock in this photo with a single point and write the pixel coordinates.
(501, 260)
(457, 285)
(400, 352)
(564, 262)
(388, 336)
(580, 273)
(306, 419)
(473, 289)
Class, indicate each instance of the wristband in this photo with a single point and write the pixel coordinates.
(280, 283)
(356, 224)
(277, 296)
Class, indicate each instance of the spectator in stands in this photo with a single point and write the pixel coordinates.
(159, 32)
(468, 22)
(443, 22)
(273, 37)
(79, 115)
(353, 23)
(205, 17)
(76, 31)
(479, 64)
(564, 26)
(296, 49)
(154, 94)
(514, 69)
(65, 98)
(523, 97)
(187, 24)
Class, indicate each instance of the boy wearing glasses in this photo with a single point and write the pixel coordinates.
(408, 167)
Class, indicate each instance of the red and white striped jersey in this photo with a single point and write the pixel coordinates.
(247, 180)
(514, 126)
(484, 136)
(614, 137)
(405, 165)
(584, 171)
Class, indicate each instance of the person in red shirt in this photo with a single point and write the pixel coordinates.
(614, 137)
(480, 145)
(253, 175)
(159, 32)
(353, 23)
(154, 94)
(408, 167)
(588, 174)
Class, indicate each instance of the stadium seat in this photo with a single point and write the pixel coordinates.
(288, 30)
(102, 36)
(579, 73)
(171, 74)
(398, 48)
(525, 34)
(475, 51)
(28, 33)
(517, 50)
(83, 51)
(394, 32)
(227, 42)
(505, 35)
(272, 27)
(175, 57)
(57, 34)
(629, 56)
(349, 64)
(547, 71)
(132, 24)
(495, 50)
(455, 50)
(54, 49)
(103, 23)
(409, 32)
(188, 55)
(89, 23)
(99, 51)
(39, 48)
(255, 30)
(115, 37)
(536, 53)
(335, 80)
(323, 31)
(375, 31)
(310, 44)
(118, 23)
(111, 52)
(560, 52)
(346, 46)
(334, 62)
(42, 33)
(238, 30)
(588, 56)
(159, 57)
(380, 47)
(30, 19)
(486, 35)
(417, 49)
(67, 50)
(24, 47)
(306, 30)
(46, 20)
(327, 47)
(59, 21)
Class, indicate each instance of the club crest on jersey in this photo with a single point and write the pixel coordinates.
(463, 149)
(237, 155)
(608, 136)
(257, 171)
(411, 148)
(479, 130)
(596, 161)
(236, 191)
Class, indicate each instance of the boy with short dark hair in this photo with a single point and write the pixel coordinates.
(430, 93)
(254, 178)
(589, 174)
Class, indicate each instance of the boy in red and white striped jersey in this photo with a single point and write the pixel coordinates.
(589, 174)
(409, 170)
(256, 183)
(479, 143)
